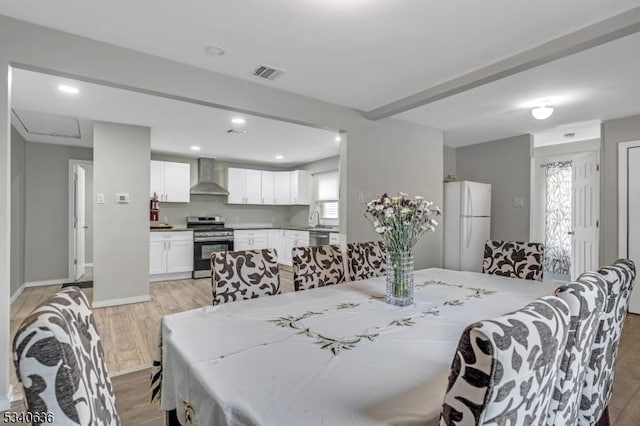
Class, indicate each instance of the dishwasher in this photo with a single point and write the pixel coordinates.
(318, 238)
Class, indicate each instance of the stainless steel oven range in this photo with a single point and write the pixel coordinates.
(209, 235)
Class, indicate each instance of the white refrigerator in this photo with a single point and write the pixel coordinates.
(466, 217)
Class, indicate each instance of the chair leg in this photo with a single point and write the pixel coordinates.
(172, 418)
(604, 420)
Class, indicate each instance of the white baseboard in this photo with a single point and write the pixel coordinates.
(47, 282)
(170, 277)
(17, 294)
(123, 301)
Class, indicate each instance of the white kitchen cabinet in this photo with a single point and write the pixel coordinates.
(250, 239)
(267, 187)
(282, 188)
(170, 252)
(275, 240)
(300, 187)
(244, 186)
(293, 239)
(171, 182)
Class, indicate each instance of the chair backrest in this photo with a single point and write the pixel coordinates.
(586, 299)
(513, 259)
(598, 382)
(240, 275)
(317, 266)
(504, 369)
(60, 362)
(366, 260)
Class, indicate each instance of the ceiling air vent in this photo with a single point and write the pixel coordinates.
(267, 72)
(236, 131)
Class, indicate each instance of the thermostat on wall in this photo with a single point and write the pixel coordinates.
(122, 198)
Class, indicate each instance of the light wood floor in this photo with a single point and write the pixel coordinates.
(129, 334)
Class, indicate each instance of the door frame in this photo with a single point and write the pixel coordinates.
(72, 242)
(623, 186)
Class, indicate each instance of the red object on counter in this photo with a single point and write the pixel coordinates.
(154, 208)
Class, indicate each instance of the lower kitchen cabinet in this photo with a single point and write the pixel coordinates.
(170, 252)
(254, 239)
(293, 239)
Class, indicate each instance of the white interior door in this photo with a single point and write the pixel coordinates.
(633, 224)
(584, 241)
(79, 200)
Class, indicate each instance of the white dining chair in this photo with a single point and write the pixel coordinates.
(317, 266)
(513, 259)
(366, 260)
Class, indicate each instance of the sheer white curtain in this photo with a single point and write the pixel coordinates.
(557, 250)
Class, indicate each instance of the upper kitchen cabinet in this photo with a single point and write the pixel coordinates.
(244, 186)
(170, 181)
(281, 187)
(268, 196)
(300, 187)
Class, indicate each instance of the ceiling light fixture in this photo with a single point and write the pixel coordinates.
(279, 157)
(238, 120)
(68, 89)
(542, 112)
(338, 138)
(214, 51)
(194, 148)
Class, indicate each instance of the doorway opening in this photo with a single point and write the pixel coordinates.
(81, 223)
(565, 207)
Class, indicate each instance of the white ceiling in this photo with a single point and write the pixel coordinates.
(367, 53)
(597, 84)
(175, 126)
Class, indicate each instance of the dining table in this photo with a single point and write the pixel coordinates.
(335, 355)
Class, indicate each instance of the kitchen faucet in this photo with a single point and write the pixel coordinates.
(314, 219)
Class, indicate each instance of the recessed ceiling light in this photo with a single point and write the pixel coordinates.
(338, 138)
(68, 89)
(194, 148)
(214, 50)
(542, 112)
(279, 157)
(238, 120)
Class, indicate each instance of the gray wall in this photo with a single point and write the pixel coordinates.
(506, 165)
(613, 132)
(47, 209)
(449, 157)
(121, 237)
(18, 207)
(409, 156)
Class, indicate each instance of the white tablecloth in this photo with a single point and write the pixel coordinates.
(336, 355)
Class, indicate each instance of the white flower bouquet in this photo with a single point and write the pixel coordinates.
(402, 220)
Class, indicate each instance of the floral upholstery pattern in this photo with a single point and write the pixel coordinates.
(59, 360)
(513, 259)
(240, 275)
(598, 383)
(586, 298)
(366, 260)
(317, 266)
(504, 370)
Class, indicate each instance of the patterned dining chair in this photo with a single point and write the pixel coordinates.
(317, 266)
(60, 362)
(586, 299)
(241, 275)
(504, 369)
(513, 259)
(366, 260)
(598, 383)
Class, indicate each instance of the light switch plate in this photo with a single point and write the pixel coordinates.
(100, 199)
(518, 202)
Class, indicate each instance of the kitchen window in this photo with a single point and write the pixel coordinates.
(327, 195)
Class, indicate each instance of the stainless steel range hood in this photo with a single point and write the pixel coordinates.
(207, 184)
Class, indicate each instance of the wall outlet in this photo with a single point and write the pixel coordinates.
(100, 199)
(518, 202)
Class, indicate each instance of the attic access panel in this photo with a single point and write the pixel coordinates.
(38, 123)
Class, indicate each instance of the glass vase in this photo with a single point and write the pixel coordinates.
(400, 278)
